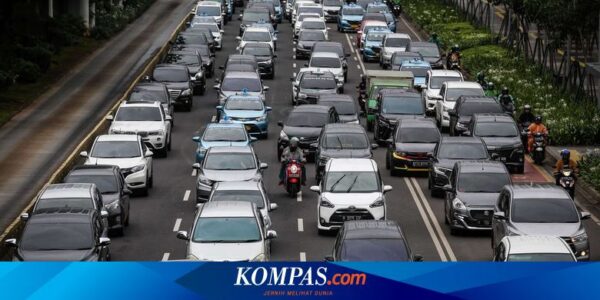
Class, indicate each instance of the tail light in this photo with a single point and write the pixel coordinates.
(294, 169)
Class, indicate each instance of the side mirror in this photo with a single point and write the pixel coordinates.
(263, 166)
(103, 241)
(196, 166)
(374, 146)
(238, 38)
(222, 31)
(83, 154)
(12, 243)
(274, 55)
(495, 156)
(306, 64)
(196, 139)
(148, 153)
(387, 188)
(183, 235)
(265, 88)
(585, 215)
(217, 86)
(271, 234)
(417, 258)
(268, 108)
(273, 206)
(329, 258)
(127, 192)
(104, 213)
(219, 107)
(24, 217)
(499, 215)
(168, 118)
(315, 188)
(447, 188)
(280, 123)
(253, 139)
(109, 117)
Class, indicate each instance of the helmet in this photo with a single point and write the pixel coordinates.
(565, 154)
(504, 91)
(434, 35)
(455, 48)
(527, 108)
(481, 76)
(538, 119)
(490, 85)
(294, 143)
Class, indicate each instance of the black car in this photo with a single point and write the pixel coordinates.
(472, 193)
(62, 235)
(312, 85)
(345, 106)
(449, 151)
(306, 40)
(430, 52)
(394, 105)
(115, 195)
(411, 145)
(466, 107)
(372, 240)
(264, 57)
(194, 63)
(502, 139)
(341, 141)
(401, 56)
(192, 38)
(212, 44)
(239, 59)
(253, 15)
(153, 91)
(305, 122)
(177, 79)
(208, 58)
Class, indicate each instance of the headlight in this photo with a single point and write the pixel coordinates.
(260, 257)
(458, 205)
(283, 136)
(441, 171)
(204, 181)
(460, 125)
(268, 62)
(300, 45)
(378, 203)
(156, 132)
(260, 119)
(302, 95)
(198, 76)
(137, 168)
(187, 92)
(113, 205)
(201, 149)
(580, 238)
(325, 203)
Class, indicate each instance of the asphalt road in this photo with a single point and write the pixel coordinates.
(170, 205)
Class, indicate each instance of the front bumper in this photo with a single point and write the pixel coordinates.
(334, 218)
(406, 164)
(475, 219)
(115, 216)
(155, 142)
(202, 192)
(371, 53)
(512, 158)
(439, 180)
(265, 69)
(253, 127)
(137, 180)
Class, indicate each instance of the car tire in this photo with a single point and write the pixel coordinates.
(151, 181)
(323, 232)
(279, 151)
(143, 192)
(126, 223)
(272, 75)
(341, 89)
(169, 144)
(163, 152)
(120, 231)
(454, 231)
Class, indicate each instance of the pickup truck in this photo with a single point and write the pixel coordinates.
(377, 80)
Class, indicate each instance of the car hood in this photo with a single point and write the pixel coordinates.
(419, 80)
(346, 153)
(552, 229)
(302, 131)
(58, 255)
(109, 197)
(194, 69)
(226, 251)
(137, 126)
(122, 163)
(348, 199)
(499, 142)
(177, 85)
(486, 200)
(244, 113)
(233, 93)
(223, 144)
(415, 147)
(348, 118)
(401, 116)
(230, 175)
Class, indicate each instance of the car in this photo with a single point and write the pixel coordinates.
(306, 41)
(211, 9)
(246, 191)
(191, 32)
(533, 248)
(351, 189)
(345, 105)
(129, 153)
(178, 82)
(309, 86)
(430, 51)
(502, 139)
(471, 194)
(339, 140)
(250, 111)
(214, 29)
(305, 122)
(268, 26)
(435, 79)
(253, 15)
(315, 24)
(365, 27)
(399, 57)
(371, 47)
(305, 8)
(419, 69)
(335, 47)
(265, 58)
(208, 58)
(411, 145)
(239, 59)
(328, 62)
(447, 152)
(230, 163)
(151, 92)
(275, 4)
(240, 82)
(115, 195)
(540, 209)
(147, 120)
(393, 42)
(195, 38)
(365, 3)
(269, 7)
(67, 234)
(382, 8)
(257, 35)
(220, 134)
(300, 19)
(228, 231)
(350, 17)
(201, 19)
(466, 107)
(449, 93)
(395, 105)
(331, 9)
(372, 240)
(69, 195)
(193, 61)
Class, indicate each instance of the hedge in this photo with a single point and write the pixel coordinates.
(589, 168)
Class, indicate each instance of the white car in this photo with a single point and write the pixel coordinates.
(128, 152)
(351, 189)
(327, 62)
(214, 30)
(211, 9)
(301, 19)
(368, 26)
(256, 35)
(533, 248)
(331, 9)
(228, 231)
(393, 42)
(435, 79)
(314, 24)
(307, 7)
(146, 119)
(449, 93)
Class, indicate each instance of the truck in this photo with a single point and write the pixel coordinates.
(377, 80)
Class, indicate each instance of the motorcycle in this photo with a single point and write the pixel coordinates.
(524, 132)
(293, 177)
(362, 99)
(453, 62)
(396, 10)
(566, 179)
(538, 153)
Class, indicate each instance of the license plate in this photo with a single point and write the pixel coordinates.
(351, 218)
(420, 164)
(353, 26)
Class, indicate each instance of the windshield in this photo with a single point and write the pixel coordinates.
(492, 129)
(426, 51)
(312, 36)
(418, 135)
(355, 11)
(226, 230)
(116, 149)
(376, 37)
(244, 195)
(64, 203)
(171, 75)
(229, 161)
(540, 257)
(212, 27)
(397, 42)
(352, 182)
(310, 9)
(259, 36)
(482, 182)
(224, 134)
(417, 71)
(212, 11)
(318, 83)
(377, 9)
(235, 84)
(332, 2)
(402, 105)
(258, 51)
(325, 62)
(198, 38)
(435, 82)
(255, 16)
(342, 141)
(544, 210)
(57, 236)
(453, 94)
(337, 50)
(374, 250)
(138, 114)
(469, 109)
(462, 151)
(306, 119)
(398, 59)
(313, 25)
(148, 95)
(342, 107)
(182, 59)
(105, 183)
(244, 104)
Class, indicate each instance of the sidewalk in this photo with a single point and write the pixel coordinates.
(39, 138)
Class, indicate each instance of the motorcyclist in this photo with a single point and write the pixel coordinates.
(454, 52)
(526, 117)
(292, 152)
(481, 80)
(489, 91)
(434, 39)
(535, 127)
(362, 90)
(565, 161)
(506, 100)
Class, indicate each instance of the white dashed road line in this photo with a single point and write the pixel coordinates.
(299, 197)
(294, 65)
(186, 196)
(166, 256)
(300, 225)
(213, 119)
(302, 256)
(177, 225)
(194, 173)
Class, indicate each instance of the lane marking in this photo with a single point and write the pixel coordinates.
(177, 225)
(299, 197)
(213, 119)
(166, 256)
(302, 256)
(411, 29)
(357, 54)
(300, 225)
(432, 234)
(358, 67)
(194, 172)
(355, 59)
(186, 196)
(294, 65)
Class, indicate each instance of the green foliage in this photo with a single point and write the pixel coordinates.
(65, 30)
(27, 72)
(38, 54)
(6, 79)
(111, 19)
(589, 168)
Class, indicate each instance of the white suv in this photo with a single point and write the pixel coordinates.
(449, 93)
(211, 9)
(256, 35)
(434, 81)
(128, 152)
(351, 189)
(146, 119)
(393, 42)
(327, 62)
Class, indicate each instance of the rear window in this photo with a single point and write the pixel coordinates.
(469, 109)
(171, 75)
(417, 71)
(374, 250)
(482, 182)
(325, 62)
(356, 11)
(141, 114)
(304, 119)
(342, 107)
(346, 141)
(397, 42)
(418, 135)
(493, 129)
(462, 151)
(318, 83)
(64, 203)
(220, 134)
(544, 210)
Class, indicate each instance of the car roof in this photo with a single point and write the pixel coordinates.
(352, 165)
(225, 125)
(537, 244)
(445, 73)
(249, 185)
(141, 104)
(312, 19)
(241, 56)
(244, 97)
(61, 216)
(497, 118)
(480, 166)
(118, 137)
(386, 229)
(67, 190)
(537, 191)
(336, 98)
(397, 36)
(237, 67)
(462, 84)
(239, 74)
(230, 149)
(227, 209)
(183, 52)
(170, 66)
(477, 99)
(460, 140)
(325, 54)
(257, 29)
(416, 123)
(374, 22)
(209, 3)
(312, 108)
(343, 128)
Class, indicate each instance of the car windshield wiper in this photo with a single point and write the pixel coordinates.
(352, 185)
(340, 142)
(336, 183)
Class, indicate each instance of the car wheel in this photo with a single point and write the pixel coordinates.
(446, 221)
(454, 231)
(278, 153)
(144, 192)
(126, 223)
(520, 169)
(151, 181)
(272, 75)
(323, 232)
(203, 90)
(341, 89)
(120, 231)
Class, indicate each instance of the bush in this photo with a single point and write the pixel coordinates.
(111, 19)
(6, 79)
(27, 72)
(38, 54)
(461, 33)
(589, 168)
(65, 30)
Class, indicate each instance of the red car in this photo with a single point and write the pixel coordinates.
(367, 25)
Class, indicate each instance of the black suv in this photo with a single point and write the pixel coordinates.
(394, 105)
(115, 195)
(345, 106)
(334, 47)
(62, 235)
(153, 91)
(466, 107)
(502, 139)
(472, 193)
(305, 122)
(264, 57)
(208, 58)
(411, 146)
(194, 63)
(177, 79)
(306, 40)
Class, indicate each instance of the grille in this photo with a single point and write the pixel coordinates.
(354, 22)
(342, 215)
(506, 154)
(480, 214)
(174, 93)
(376, 49)
(143, 133)
(332, 12)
